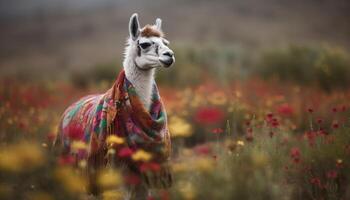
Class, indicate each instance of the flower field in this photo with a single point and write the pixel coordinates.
(251, 139)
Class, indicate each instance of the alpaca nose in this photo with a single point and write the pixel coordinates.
(168, 53)
(167, 58)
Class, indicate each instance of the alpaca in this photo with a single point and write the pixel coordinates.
(131, 110)
(147, 49)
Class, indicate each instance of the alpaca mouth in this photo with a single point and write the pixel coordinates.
(167, 62)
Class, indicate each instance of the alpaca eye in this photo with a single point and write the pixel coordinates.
(145, 45)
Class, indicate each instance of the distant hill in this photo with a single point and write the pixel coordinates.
(83, 33)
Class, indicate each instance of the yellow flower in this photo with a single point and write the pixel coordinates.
(111, 195)
(178, 127)
(180, 167)
(141, 155)
(269, 102)
(186, 152)
(109, 178)
(238, 94)
(339, 161)
(187, 190)
(113, 139)
(70, 181)
(31, 154)
(78, 145)
(22, 156)
(82, 164)
(197, 101)
(111, 152)
(259, 159)
(204, 164)
(240, 143)
(9, 161)
(217, 98)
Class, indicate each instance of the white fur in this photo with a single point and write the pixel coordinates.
(141, 80)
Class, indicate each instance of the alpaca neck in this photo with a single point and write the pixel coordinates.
(142, 80)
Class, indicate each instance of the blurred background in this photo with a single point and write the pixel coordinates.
(257, 102)
(70, 39)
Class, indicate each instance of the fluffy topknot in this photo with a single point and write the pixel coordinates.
(151, 31)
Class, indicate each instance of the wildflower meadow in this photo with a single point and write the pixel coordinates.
(251, 140)
(255, 96)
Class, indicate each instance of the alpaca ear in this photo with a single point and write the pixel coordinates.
(159, 24)
(134, 27)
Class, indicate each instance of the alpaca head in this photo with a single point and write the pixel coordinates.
(147, 47)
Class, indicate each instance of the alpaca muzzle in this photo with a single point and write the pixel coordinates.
(167, 62)
(167, 59)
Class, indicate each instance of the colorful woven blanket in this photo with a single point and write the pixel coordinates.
(120, 112)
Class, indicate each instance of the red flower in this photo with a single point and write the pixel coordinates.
(285, 109)
(275, 124)
(295, 154)
(311, 136)
(315, 181)
(202, 149)
(335, 125)
(209, 115)
(132, 179)
(332, 174)
(149, 166)
(217, 130)
(310, 110)
(334, 109)
(319, 121)
(269, 115)
(125, 152)
(322, 132)
(66, 160)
